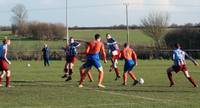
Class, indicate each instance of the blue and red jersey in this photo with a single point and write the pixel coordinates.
(112, 45)
(179, 57)
(71, 49)
(3, 47)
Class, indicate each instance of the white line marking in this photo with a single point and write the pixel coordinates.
(96, 105)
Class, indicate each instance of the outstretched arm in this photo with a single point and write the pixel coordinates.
(5, 56)
(194, 61)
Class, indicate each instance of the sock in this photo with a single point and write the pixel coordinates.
(192, 81)
(125, 77)
(1, 80)
(169, 74)
(7, 81)
(70, 72)
(117, 72)
(66, 71)
(90, 76)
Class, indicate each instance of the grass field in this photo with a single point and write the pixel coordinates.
(39, 87)
(136, 37)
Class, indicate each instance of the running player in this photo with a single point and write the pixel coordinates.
(71, 57)
(180, 65)
(113, 50)
(130, 58)
(93, 51)
(4, 62)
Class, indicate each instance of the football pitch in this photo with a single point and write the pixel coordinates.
(43, 87)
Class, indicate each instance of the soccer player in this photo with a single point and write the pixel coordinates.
(93, 51)
(45, 51)
(71, 57)
(4, 62)
(180, 65)
(131, 61)
(114, 51)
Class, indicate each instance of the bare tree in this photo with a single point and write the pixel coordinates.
(155, 25)
(19, 18)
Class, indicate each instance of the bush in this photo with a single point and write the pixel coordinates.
(46, 31)
(189, 38)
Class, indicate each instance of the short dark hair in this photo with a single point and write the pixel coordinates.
(107, 34)
(126, 44)
(71, 38)
(97, 36)
(177, 45)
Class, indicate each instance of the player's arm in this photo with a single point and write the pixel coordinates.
(134, 57)
(5, 56)
(78, 44)
(190, 57)
(103, 53)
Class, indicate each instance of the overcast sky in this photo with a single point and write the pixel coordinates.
(101, 12)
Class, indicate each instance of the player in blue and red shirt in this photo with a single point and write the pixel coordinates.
(114, 52)
(71, 57)
(131, 61)
(93, 59)
(180, 65)
(4, 62)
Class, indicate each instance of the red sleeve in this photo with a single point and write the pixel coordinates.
(88, 49)
(134, 57)
(103, 51)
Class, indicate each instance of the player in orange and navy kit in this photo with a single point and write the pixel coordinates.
(180, 65)
(93, 59)
(130, 58)
(71, 57)
(4, 62)
(114, 52)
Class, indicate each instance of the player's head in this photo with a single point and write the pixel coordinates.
(97, 37)
(45, 45)
(71, 40)
(126, 45)
(108, 36)
(6, 41)
(177, 45)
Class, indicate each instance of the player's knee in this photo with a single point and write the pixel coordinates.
(100, 69)
(187, 75)
(169, 70)
(8, 73)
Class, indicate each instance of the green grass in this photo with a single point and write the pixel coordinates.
(39, 87)
(137, 37)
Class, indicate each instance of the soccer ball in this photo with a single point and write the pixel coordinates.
(28, 65)
(141, 81)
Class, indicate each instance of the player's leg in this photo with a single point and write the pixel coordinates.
(8, 75)
(1, 77)
(90, 76)
(98, 66)
(101, 76)
(48, 61)
(66, 70)
(116, 69)
(125, 75)
(187, 75)
(45, 61)
(111, 66)
(169, 75)
(70, 72)
(133, 76)
(83, 72)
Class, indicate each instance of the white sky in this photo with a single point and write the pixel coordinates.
(102, 12)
